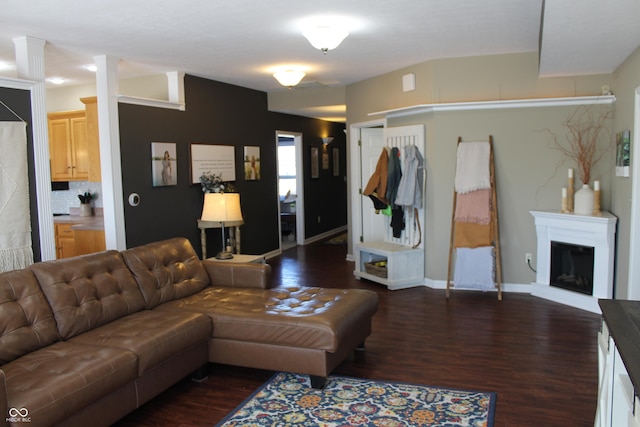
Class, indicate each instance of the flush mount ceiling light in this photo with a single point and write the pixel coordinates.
(289, 78)
(325, 36)
(57, 80)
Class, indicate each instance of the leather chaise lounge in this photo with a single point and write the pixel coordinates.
(86, 340)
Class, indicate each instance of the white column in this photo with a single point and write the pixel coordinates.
(109, 133)
(175, 81)
(30, 66)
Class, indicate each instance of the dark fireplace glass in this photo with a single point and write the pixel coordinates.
(572, 267)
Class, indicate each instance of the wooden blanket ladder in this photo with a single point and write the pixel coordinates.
(493, 226)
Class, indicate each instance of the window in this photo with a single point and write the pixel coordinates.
(286, 167)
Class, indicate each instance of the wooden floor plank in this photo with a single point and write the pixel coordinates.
(539, 356)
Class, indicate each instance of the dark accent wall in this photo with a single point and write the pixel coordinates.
(20, 102)
(222, 114)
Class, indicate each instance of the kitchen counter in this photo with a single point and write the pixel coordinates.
(81, 222)
(623, 320)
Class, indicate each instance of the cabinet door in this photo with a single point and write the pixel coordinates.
(80, 148)
(60, 149)
(65, 241)
(89, 241)
(68, 146)
(66, 248)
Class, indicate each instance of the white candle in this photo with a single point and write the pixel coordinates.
(564, 192)
(596, 185)
(570, 172)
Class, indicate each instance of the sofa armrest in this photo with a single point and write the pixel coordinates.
(235, 275)
(4, 404)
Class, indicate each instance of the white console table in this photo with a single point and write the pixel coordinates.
(233, 228)
(405, 265)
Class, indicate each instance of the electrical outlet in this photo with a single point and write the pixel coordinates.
(527, 258)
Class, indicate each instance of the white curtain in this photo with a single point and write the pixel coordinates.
(15, 226)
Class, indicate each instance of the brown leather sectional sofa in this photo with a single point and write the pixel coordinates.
(86, 340)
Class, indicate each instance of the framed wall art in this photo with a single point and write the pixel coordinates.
(623, 153)
(315, 163)
(336, 162)
(251, 163)
(212, 159)
(163, 164)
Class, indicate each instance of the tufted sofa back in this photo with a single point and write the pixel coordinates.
(27, 320)
(166, 270)
(88, 291)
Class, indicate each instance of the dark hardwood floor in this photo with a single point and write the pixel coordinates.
(539, 356)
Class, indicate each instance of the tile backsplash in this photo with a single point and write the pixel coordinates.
(61, 201)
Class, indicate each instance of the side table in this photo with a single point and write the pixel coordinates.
(232, 226)
(242, 258)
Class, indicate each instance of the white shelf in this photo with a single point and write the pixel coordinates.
(489, 105)
(405, 265)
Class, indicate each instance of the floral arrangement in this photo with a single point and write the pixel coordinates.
(213, 183)
(584, 128)
(85, 198)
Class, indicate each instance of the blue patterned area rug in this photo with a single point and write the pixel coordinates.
(288, 400)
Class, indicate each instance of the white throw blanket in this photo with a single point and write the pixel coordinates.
(15, 225)
(474, 268)
(472, 166)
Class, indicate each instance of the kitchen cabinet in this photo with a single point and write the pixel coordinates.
(65, 241)
(89, 241)
(93, 140)
(68, 150)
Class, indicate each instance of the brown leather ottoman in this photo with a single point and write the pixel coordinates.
(295, 329)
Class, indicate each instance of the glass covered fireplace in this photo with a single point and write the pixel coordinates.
(574, 258)
(572, 267)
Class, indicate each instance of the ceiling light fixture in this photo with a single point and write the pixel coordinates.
(91, 67)
(289, 78)
(325, 36)
(57, 80)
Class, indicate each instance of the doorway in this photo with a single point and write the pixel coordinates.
(290, 189)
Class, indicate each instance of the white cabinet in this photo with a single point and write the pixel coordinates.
(404, 265)
(616, 396)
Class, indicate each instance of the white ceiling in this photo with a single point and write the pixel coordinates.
(241, 41)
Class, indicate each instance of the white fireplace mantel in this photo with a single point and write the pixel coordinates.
(585, 230)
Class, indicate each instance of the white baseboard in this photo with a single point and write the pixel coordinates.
(324, 235)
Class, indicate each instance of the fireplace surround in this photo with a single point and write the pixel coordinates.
(586, 231)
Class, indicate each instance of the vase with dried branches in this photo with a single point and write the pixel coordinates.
(587, 141)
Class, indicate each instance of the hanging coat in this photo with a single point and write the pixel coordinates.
(410, 187)
(394, 176)
(377, 185)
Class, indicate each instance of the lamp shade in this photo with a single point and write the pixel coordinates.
(221, 207)
(325, 37)
(289, 78)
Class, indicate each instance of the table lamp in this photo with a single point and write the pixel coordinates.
(222, 207)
